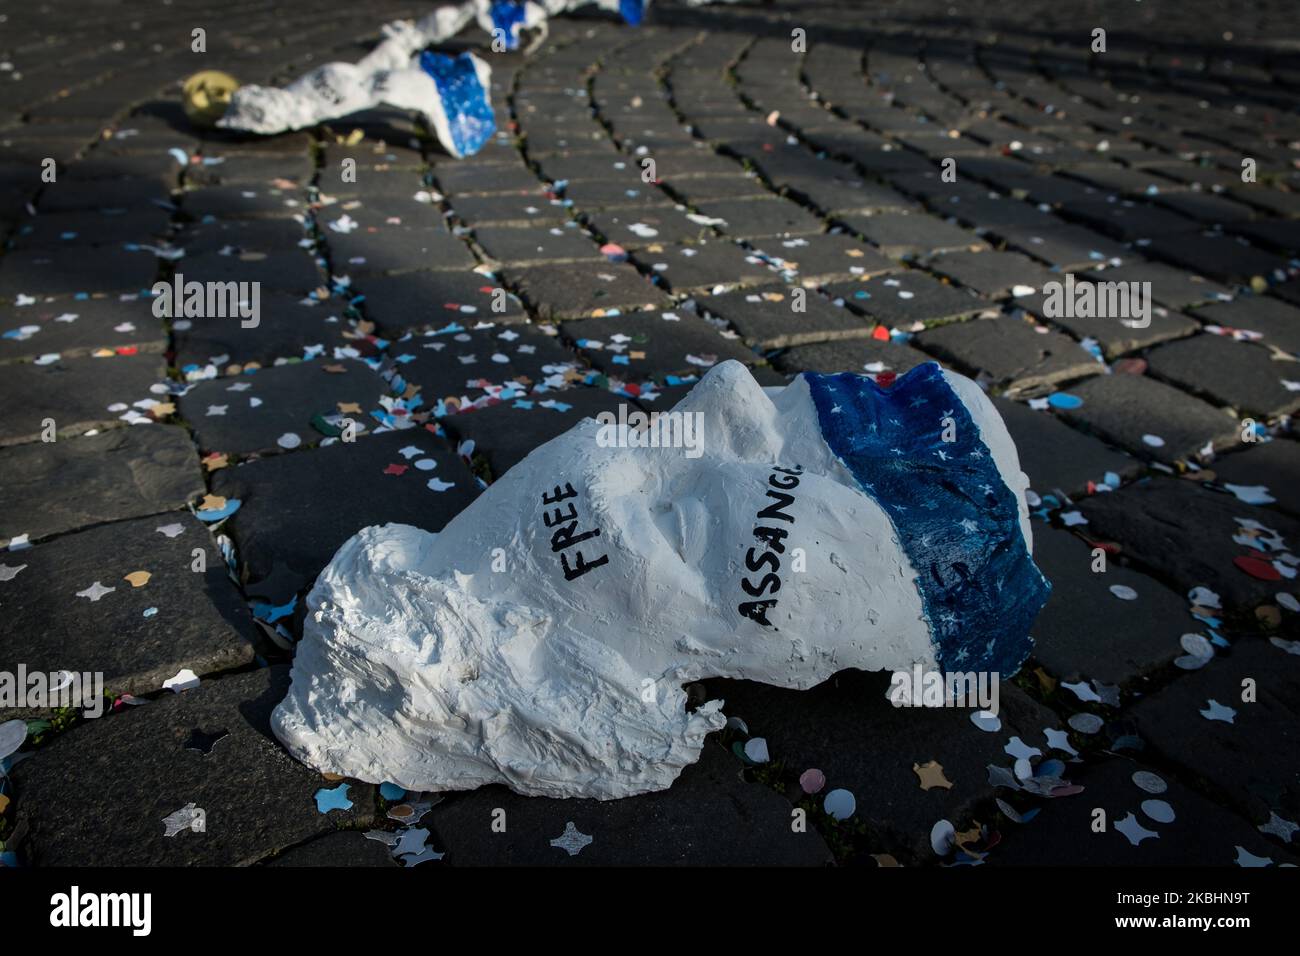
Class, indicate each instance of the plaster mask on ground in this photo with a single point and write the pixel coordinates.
(541, 640)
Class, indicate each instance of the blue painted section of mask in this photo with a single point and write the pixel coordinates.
(633, 11)
(956, 519)
(469, 114)
(508, 17)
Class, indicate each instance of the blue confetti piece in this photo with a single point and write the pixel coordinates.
(273, 612)
(1064, 400)
(391, 791)
(523, 403)
(561, 407)
(622, 360)
(336, 799)
(217, 514)
(150, 611)
(633, 11)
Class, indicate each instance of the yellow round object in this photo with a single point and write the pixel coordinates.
(207, 94)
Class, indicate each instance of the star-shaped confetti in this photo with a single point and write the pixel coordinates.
(1281, 828)
(1134, 831)
(1216, 711)
(95, 591)
(336, 799)
(572, 840)
(137, 579)
(931, 775)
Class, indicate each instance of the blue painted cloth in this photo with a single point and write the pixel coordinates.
(508, 17)
(633, 11)
(955, 517)
(464, 101)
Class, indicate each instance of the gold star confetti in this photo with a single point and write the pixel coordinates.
(212, 503)
(138, 579)
(931, 775)
(349, 408)
(215, 461)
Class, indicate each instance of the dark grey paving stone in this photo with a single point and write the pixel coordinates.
(284, 537)
(908, 297)
(648, 346)
(579, 289)
(70, 195)
(287, 270)
(1218, 256)
(1278, 322)
(473, 179)
(529, 209)
(1023, 360)
(289, 327)
(1061, 245)
(504, 434)
(412, 300)
(467, 363)
(1086, 632)
(703, 188)
(1250, 762)
(1201, 833)
(766, 319)
(1237, 374)
(847, 193)
(251, 412)
(595, 194)
(53, 230)
(824, 258)
(70, 326)
(706, 266)
(1125, 409)
(97, 796)
(397, 248)
(752, 219)
(1283, 236)
(1170, 287)
(243, 200)
(1057, 457)
(709, 817)
(863, 356)
(1128, 221)
(346, 848)
(235, 236)
(199, 621)
(992, 274)
(1183, 534)
(528, 246)
(1206, 208)
(1114, 335)
(906, 234)
(640, 226)
(52, 487)
(257, 169)
(76, 392)
(1274, 464)
(69, 270)
(822, 728)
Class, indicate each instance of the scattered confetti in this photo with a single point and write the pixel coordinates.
(185, 679)
(1216, 711)
(812, 781)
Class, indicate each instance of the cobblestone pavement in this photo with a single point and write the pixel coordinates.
(1164, 691)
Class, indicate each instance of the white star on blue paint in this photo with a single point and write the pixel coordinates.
(969, 525)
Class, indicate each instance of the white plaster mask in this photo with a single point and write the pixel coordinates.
(541, 640)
